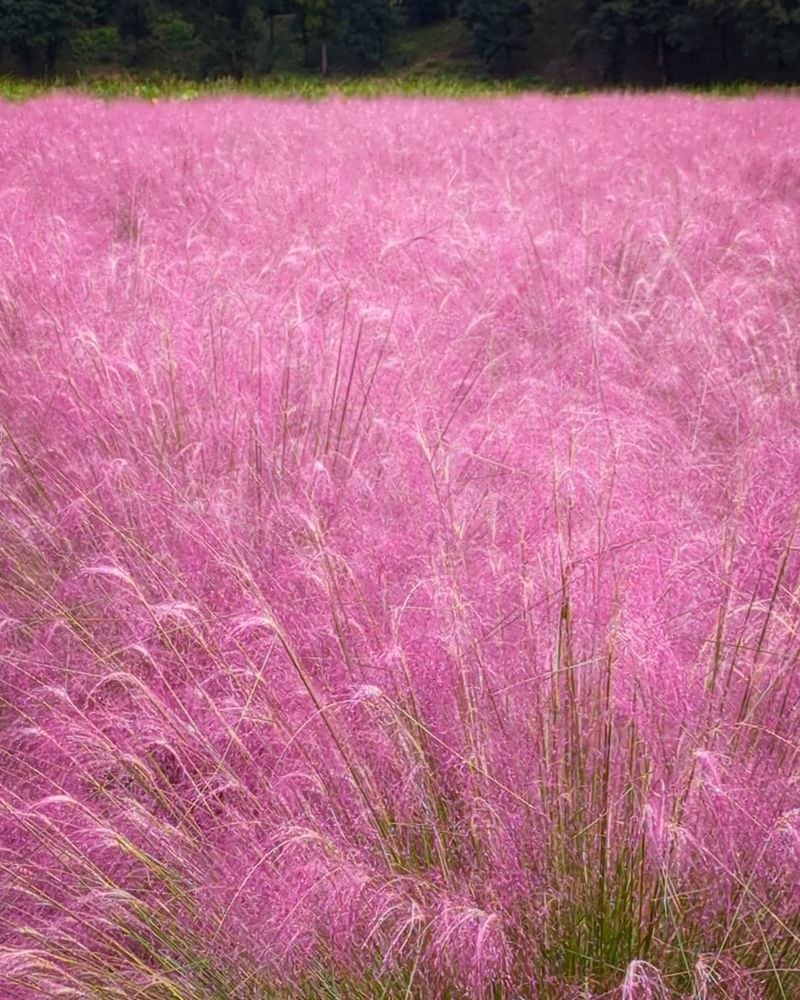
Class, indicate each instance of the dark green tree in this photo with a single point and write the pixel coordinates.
(233, 33)
(135, 18)
(605, 29)
(316, 23)
(770, 30)
(364, 28)
(427, 11)
(228, 23)
(37, 30)
(708, 31)
(659, 24)
(646, 32)
(272, 9)
(499, 28)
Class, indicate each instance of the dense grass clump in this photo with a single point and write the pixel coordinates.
(398, 549)
(310, 86)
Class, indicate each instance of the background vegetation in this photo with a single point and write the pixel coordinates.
(564, 42)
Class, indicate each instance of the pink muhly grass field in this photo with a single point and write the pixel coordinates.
(399, 565)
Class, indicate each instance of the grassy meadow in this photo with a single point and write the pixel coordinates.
(399, 551)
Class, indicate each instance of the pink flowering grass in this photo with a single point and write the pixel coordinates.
(399, 558)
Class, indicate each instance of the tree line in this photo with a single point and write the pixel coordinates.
(609, 41)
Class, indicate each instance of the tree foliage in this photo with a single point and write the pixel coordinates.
(316, 23)
(365, 27)
(620, 41)
(37, 29)
(428, 11)
(650, 39)
(135, 18)
(500, 28)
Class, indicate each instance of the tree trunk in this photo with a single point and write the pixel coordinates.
(25, 53)
(272, 29)
(616, 67)
(662, 59)
(50, 55)
(323, 57)
(237, 48)
(723, 47)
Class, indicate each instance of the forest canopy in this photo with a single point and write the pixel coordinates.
(649, 42)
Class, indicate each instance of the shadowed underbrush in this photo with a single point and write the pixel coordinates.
(398, 549)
